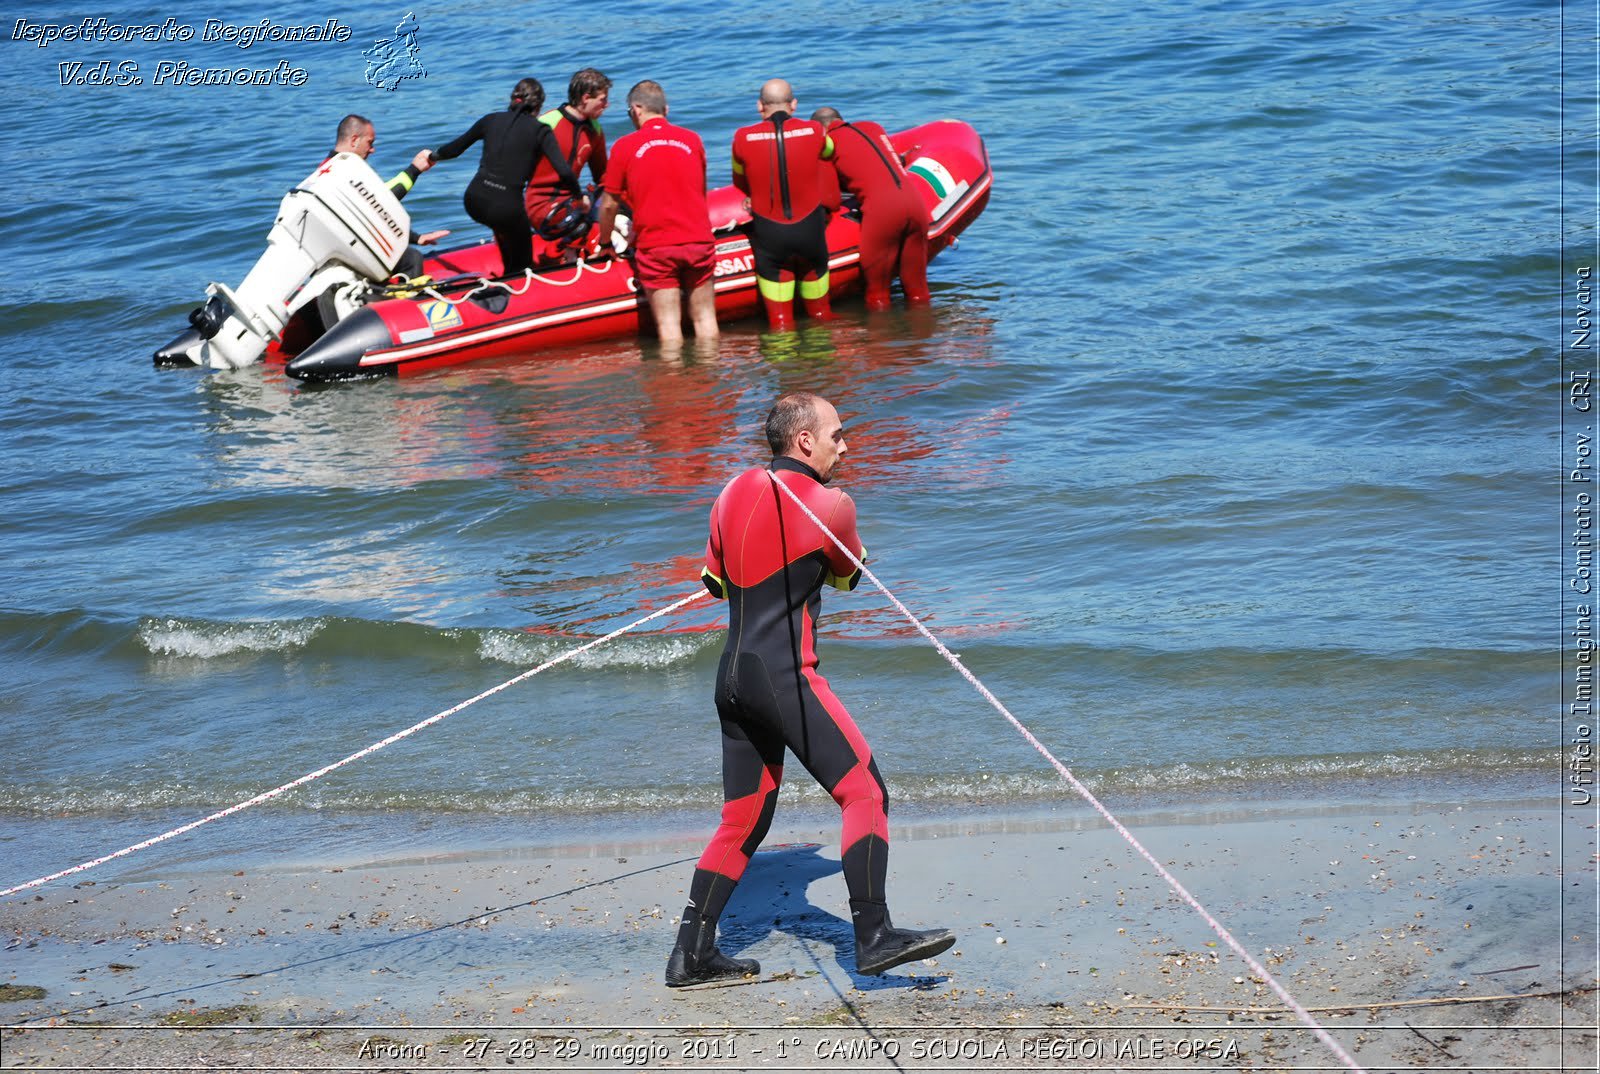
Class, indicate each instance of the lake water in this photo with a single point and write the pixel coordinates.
(1226, 456)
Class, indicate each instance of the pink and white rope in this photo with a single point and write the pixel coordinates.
(1087, 795)
(267, 796)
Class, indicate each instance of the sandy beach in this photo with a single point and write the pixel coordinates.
(1396, 924)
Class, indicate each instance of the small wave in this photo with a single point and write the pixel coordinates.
(208, 640)
(1269, 771)
(1242, 775)
(643, 652)
(70, 631)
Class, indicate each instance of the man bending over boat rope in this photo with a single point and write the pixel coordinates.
(894, 218)
(770, 562)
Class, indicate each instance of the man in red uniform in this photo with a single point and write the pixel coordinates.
(781, 163)
(576, 124)
(659, 170)
(770, 562)
(894, 218)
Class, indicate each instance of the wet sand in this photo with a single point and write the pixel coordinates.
(1396, 924)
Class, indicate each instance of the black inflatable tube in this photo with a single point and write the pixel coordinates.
(337, 355)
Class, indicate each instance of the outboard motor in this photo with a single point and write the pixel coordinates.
(340, 226)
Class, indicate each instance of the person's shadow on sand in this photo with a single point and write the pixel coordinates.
(772, 898)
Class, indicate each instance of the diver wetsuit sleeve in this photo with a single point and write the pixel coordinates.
(401, 184)
(597, 157)
(842, 573)
(829, 184)
(558, 160)
(740, 180)
(713, 574)
(452, 149)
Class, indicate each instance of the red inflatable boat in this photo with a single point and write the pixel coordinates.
(466, 314)
(464, 318)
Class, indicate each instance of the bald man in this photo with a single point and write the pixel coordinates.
(781, 164)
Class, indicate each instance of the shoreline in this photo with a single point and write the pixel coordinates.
(1399, 909)
(391, 837)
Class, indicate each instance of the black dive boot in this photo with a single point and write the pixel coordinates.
(880, 946)
(696, 960)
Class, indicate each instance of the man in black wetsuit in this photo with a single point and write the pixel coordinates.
(357, 135)
(770, 562)
(513, 141)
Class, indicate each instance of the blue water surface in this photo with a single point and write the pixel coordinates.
(1226, 456)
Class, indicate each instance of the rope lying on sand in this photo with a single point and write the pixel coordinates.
(1083, 792)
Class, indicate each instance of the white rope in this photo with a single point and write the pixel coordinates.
(530, 277)
(1087, 795)
(266, 796)
(486, 284)
(582, 264)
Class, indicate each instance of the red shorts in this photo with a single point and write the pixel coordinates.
(685, 267)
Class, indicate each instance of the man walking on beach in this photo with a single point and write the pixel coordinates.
(770, 562)
(659, 170)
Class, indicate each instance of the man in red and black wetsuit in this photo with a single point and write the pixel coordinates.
(576, 124)
(770, 562)
(781, 163)
(894, 218)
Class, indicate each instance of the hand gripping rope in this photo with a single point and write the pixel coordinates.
(374, 748)
(1084, 792)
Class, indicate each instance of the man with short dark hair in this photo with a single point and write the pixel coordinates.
(894, 218)
(576, 124)
(781, 163)
(357, 135)
(770, 562)
(659, 171)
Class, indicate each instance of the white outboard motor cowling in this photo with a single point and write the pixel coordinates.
(340, 225)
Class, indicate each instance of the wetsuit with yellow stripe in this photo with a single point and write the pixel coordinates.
(581, 141)
(781, 163)
(770, 562)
